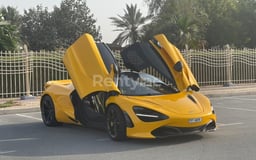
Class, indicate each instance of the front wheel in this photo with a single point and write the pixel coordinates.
(48, 111)
(116, 125)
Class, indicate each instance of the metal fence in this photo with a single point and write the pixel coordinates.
(24, 74)
(222, 67)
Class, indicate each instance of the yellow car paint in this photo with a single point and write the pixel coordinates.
(86, 67)
(178, 116)
(63, 106)
(83, 61)
(171, 55)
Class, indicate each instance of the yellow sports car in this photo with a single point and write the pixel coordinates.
(131, 102)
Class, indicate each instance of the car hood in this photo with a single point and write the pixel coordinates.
(159, 54)
(184, 103)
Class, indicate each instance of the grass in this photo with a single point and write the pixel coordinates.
(9, 103)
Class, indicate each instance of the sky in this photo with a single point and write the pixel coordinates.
(102, 10)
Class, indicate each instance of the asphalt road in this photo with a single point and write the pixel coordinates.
(23, 136)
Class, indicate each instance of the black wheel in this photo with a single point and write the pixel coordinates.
(48, 111)
(116, 125)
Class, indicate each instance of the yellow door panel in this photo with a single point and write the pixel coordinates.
(176, 63)
(86, 67)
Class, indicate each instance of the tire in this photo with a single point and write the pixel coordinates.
(116, 125)
(48, 111)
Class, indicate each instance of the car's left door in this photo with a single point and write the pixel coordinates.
(91, 66)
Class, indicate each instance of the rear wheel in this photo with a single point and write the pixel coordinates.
(48, 111)
(116, 125)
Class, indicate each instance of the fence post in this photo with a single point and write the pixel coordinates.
(27, 77)
(229, 62)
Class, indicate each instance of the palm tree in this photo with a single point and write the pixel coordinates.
(187, 32)
(8, 35)
(183, 22)
(130, 25)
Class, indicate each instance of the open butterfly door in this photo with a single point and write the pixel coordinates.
(159, 54)
(91, 66)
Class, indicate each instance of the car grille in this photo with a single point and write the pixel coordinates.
(167, 131)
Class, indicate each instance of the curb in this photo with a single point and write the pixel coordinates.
(229, 91)
(212, 95)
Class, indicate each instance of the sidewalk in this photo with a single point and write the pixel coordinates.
(33, 105)
(21, 106)
(218, 91)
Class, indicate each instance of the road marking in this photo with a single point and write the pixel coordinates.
(240, 109)
(30, 117)
(17, 139)
(229, 124)
(6, 152)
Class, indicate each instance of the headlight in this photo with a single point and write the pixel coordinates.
(148, 115)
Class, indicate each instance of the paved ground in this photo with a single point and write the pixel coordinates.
(23, 136)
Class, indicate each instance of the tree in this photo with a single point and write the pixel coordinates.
(71, 20)
(37, 30)
(183, 22)
(155, 5)
(247, 17)
(130, 25)
(8, 34)
(214, 23)
(224, 26)
(43, 30)
(7, 38)
(11, 15)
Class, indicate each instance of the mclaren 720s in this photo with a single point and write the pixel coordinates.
(155, 96)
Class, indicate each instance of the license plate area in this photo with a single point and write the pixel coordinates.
(195, 120)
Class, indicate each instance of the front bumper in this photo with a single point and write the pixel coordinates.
(167, 131)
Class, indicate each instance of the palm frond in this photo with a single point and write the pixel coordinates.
(130, 25)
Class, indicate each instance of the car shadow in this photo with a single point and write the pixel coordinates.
(35, 139)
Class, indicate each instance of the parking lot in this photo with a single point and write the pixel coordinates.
(23, 136)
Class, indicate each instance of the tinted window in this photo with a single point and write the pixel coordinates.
(106, 55)
(140, 56)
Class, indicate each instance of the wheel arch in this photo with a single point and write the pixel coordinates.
(54, 121)
(113, 104)
(57, 111)
(128, 119)
(116, 122)
(50, 95)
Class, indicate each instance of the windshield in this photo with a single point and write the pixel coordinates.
(139, 84)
